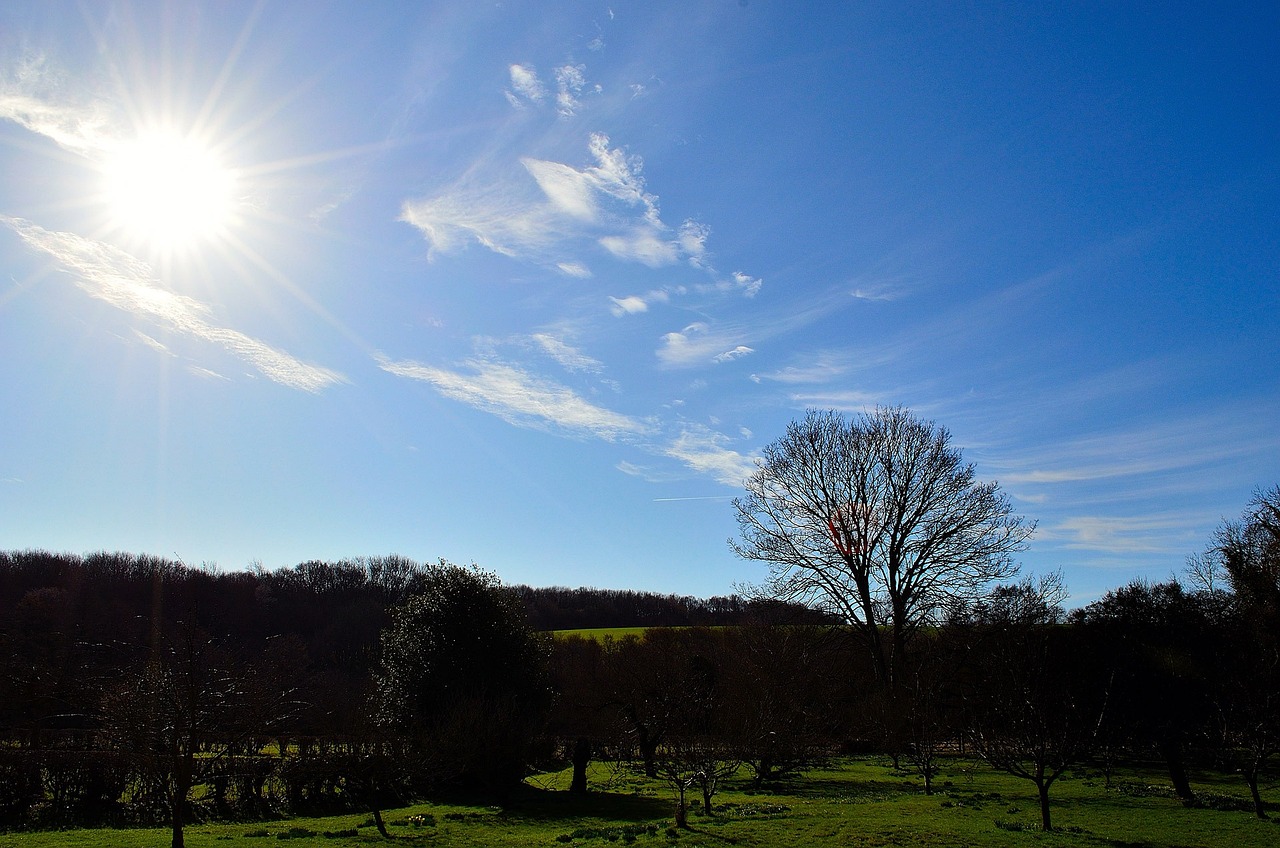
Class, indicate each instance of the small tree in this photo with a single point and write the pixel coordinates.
(1035, 706)
(465, 678)
(185, 708)
(1247, 730)
(778, 680)
(1160, 644)
(926, 708)
(695, 762)
(877, 520)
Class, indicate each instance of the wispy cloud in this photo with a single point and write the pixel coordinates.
(693, 241)
(644, 244)
(200, 371)
(570, 80)
(646, 473)
(845, 400)
(525, 86)
(521, 398)
(704, 450)
(1184, 444)
(819, 367)
(636, 303)
(1166, 533)
(629, 305)
(737, 283)
(154, 344)
(116, 277)
(574, 269)
(568, 356)
(730, 355)
(31, 99)
(699, 344)
(558, 211)
(875, 293)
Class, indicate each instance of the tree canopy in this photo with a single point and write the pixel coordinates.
(465, 677)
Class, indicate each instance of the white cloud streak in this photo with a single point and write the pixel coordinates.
(123, 281)
(86, 130)
(1164, 448)
(521, 398)
(568, 356)
(630, 305)
(1171, 534)
(845, 400)
(875, 293)
(698, 344)
(574, 269)
(705, 451)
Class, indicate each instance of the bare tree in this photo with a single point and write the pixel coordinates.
(878, 520)
(697, 762)
(1036, 703)
(179, 714)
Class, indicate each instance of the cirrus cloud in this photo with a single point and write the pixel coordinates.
(520, 398)
(125, 282)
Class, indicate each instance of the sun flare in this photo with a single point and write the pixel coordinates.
(169, 191)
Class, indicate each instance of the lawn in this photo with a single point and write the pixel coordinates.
(857, 802)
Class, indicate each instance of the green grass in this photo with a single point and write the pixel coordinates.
(858, 803)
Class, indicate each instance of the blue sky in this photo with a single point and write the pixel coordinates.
(530, 284)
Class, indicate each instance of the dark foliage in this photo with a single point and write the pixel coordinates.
(559, 608)
(464, 677)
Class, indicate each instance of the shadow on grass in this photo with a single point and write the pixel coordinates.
(845, 789)
(547, 805)
(711, 834)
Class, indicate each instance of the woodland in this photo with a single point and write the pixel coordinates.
(138, 691)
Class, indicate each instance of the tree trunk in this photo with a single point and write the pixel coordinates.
(1043, 788)
(175, 820)
(581, 758)
(220, 782)
(648, 751)
(1171, 750)
(380, 824)
(682, 809)
(1251, 777)
(183, 768)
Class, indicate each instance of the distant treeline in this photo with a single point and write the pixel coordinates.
(315, 599)
(69, 621)
(559, 608)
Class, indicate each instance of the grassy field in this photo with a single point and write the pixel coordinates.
(599, 634)
(860, 802)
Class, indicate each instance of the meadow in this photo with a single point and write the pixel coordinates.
(852, 802)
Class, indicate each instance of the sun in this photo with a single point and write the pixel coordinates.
(168, 190)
